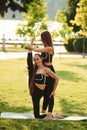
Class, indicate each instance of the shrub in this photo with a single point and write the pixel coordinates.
(68, 43)
(78, 44)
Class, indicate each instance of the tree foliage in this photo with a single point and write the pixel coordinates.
(20, 5)
(35, 19)
(65, 29)
(81, 17)
(71, 6)
(60, 16)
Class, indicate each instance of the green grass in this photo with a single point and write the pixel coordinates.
(70, 98)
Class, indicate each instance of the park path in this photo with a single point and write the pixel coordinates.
(12, 55)
(16, 55)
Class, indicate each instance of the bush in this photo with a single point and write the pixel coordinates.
(68, 43)
(78, 44)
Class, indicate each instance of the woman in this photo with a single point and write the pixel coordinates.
(38, 84)
(47, 54)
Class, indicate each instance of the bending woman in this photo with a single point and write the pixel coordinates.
(39, 83)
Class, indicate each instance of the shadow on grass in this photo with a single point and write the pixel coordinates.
(5, 107)
(78, 65)
(67, 75)
(82, 66)
(72, 109)
(37, 124)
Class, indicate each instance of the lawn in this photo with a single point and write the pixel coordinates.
(70, 98)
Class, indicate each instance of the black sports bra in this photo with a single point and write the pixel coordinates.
(40, 79)
(46, 57)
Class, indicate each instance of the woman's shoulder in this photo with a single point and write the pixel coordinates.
(50, 49)
(46, 69)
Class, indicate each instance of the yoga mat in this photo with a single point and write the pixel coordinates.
(13, 115)
(73, 118)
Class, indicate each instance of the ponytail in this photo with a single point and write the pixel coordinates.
(32, 81)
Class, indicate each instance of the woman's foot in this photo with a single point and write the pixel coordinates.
(58, 116)
(49, 116)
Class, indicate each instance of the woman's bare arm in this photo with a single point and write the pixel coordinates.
(44, 49)
(55, 77)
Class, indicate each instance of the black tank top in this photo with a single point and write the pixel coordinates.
(40, 79)
(46, 57)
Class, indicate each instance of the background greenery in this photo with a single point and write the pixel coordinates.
(70, 98)
(74, 44)
(52, 5)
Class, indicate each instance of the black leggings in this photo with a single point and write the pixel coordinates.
(37, 94)
(49, 101)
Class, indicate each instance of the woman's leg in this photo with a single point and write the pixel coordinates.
(48, 101)
(36, 102)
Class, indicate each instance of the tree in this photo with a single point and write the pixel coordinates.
(81, 20)
(71, 6)
(60, 16)
(65, 29)
(14, 5)
(35, 19)
(81, 17)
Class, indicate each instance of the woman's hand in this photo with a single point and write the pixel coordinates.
(32, 40)
(30, 46)
(52, 93)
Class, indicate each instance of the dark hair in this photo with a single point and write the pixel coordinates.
(32, 81)
(38, 55)
(46, 38)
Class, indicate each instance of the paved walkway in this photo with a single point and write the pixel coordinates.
(15, 55)
(12, 55)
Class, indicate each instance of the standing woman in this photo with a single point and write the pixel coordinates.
(47, 53)
(38, 83)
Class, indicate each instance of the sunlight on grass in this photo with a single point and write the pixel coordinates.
(72, 86)
(71, 93)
